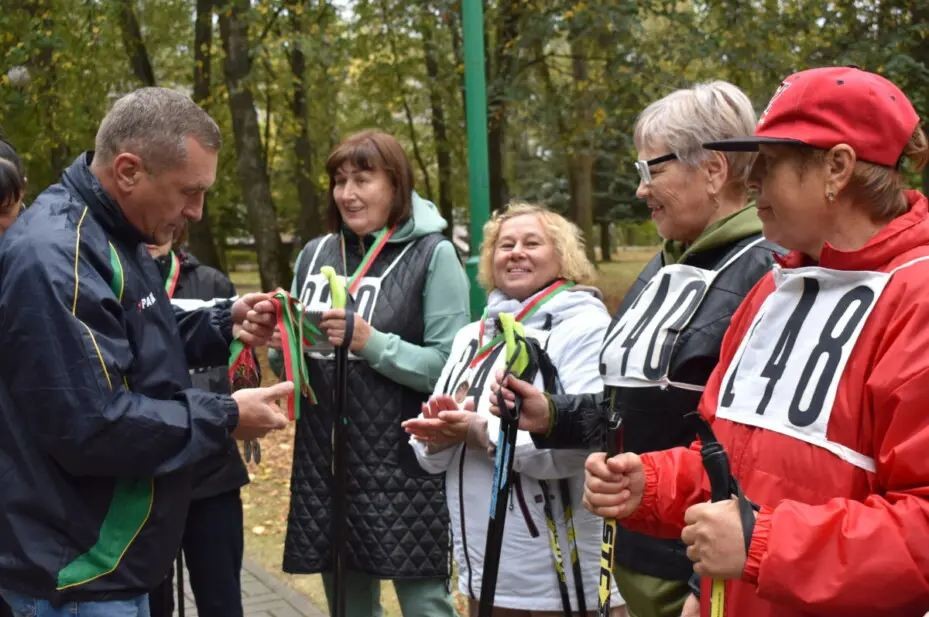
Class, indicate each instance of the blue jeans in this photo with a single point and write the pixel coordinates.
(26, 606)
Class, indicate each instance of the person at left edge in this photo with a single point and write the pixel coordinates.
(410, 303)
(12, 190)
(99, 424)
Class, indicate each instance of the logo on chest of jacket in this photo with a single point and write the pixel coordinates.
(146, 302)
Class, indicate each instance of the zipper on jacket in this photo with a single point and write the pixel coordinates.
(517, 483)
(461, 513)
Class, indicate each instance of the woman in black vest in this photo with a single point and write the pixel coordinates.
(411, 298)
(681, 304)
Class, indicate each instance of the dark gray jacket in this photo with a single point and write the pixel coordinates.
(653, 417)
(225, 471)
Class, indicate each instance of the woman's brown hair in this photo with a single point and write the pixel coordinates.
(881, 188)
(371, 150)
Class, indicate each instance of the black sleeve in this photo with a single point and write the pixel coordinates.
(580, 421)
(207, 332)
(73, 354)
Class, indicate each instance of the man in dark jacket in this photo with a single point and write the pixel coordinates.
(99, 424)
(212, 540)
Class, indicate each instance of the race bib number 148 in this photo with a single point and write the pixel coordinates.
(786, 372)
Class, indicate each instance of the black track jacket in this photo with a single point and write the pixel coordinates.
(99, 425)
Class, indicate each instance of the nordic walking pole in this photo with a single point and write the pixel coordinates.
(722, 487)
(180, 583)
(517, 363)
(608, 541)
(339, 425)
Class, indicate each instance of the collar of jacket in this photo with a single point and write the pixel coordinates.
(727, 230)
(901, 235)
(79, 179)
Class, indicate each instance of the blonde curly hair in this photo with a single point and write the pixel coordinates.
(564, 235)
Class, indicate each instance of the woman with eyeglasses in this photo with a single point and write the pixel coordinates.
(664, 341)
(820, 397)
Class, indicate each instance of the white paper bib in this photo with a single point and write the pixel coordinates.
(637, 349)
(460, 380)
(786, 372)
(315, 294)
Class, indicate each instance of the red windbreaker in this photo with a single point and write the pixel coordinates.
(844, 523)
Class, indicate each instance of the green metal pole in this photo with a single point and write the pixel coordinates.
(472, 19)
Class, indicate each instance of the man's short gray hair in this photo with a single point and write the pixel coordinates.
(153, 123)
(686, 119)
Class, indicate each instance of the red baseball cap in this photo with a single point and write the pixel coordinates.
(834, 105)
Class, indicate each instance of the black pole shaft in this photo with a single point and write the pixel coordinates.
(608, 540)
(180, 583)
(339, 509)
(503, 474)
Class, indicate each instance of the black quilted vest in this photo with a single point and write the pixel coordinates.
(397, 517)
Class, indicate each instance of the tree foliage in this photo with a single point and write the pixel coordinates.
(566, 79)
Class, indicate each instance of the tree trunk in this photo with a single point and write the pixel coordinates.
(606, 242)
(311, 219)
(582, 158)
(582, 195)
(407, 111)
(135, 46)
(250, 160)
(200, 239)
(502, 68)
(440, 135)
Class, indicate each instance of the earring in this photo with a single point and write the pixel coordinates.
(830, 196)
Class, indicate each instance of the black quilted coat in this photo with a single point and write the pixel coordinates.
(397, 518)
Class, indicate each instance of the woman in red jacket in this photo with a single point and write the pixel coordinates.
(820, 396)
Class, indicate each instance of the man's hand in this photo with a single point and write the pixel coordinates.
(534, 416)
(253, 318)
(714, 539)
(333, 326)
(444, 423)
(259, 413)
(275, 341)
(613, 487)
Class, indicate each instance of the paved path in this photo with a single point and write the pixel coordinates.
(263, 595)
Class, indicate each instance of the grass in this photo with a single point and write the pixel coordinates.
(266, 499)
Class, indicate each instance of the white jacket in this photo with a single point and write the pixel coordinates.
(571, 327)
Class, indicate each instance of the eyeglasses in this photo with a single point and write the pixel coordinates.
(644, 167)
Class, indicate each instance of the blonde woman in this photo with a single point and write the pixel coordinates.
(533, 264)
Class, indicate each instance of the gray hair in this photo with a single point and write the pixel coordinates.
(686, 119)
(153, 123)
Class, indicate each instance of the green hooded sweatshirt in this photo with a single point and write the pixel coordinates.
(445, 310)
(726, 230)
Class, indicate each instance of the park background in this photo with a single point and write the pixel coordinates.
(286, 80)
